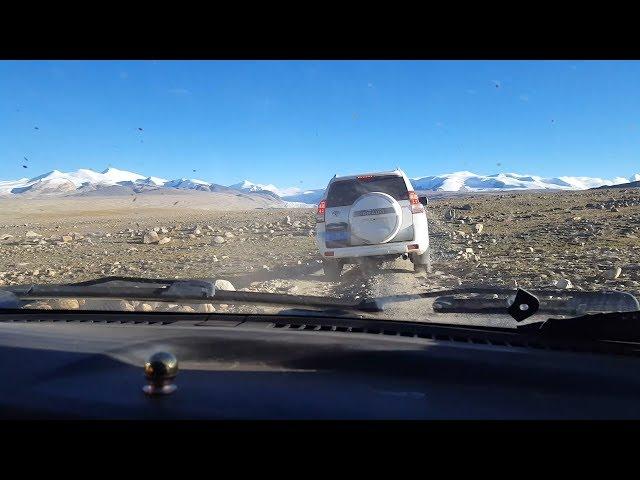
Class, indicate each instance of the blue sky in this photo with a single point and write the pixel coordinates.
(297, 123)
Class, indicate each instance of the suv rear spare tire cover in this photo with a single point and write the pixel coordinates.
(375, 217)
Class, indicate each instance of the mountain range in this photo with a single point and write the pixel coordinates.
(87, 180)
(471, 182)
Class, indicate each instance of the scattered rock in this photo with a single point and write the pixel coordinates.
(182, 308)
(150, 237)
(125, 306)
(39, 305)
(65, 303)
(164, 240)
(204, 308)
(613, 273)
(224, 285)
(32, 234)
(218, 239)
(563, 283)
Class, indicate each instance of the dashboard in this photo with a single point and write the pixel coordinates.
(89, 365)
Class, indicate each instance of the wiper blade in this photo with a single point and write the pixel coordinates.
(614, 326)
(550, 302)
(197, 291)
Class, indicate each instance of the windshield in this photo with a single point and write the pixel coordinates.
(522, 174)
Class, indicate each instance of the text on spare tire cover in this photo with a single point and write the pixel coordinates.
(373, 211)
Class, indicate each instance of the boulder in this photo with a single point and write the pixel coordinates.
(224, 285)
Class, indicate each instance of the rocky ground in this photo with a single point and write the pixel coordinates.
(586, 240)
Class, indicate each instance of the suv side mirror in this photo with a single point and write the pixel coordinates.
(424, 201)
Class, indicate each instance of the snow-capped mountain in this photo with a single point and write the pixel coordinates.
(82, 180)
(247, 186)
(307, 196)
(188, 184)
(60, 182)
(468, 181)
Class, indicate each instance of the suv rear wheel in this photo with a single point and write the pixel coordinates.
(332, 269)
(422, 263)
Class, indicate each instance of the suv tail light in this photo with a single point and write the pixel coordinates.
(322, 207)
(416, 206)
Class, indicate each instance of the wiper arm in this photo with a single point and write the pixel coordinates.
(196, 291)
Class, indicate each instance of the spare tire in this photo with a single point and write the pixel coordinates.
(375, 218)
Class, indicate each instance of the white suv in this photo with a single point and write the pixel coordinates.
(374, 215)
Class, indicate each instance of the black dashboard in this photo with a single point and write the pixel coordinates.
(89, 365)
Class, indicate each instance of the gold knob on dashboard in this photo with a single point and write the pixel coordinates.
(160, 370)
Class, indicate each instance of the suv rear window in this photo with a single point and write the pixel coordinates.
(345, 192)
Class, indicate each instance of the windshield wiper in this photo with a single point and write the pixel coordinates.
(496, 300)
(612, 326)
(173, 290)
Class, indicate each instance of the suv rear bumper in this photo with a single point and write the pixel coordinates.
(395, 248)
